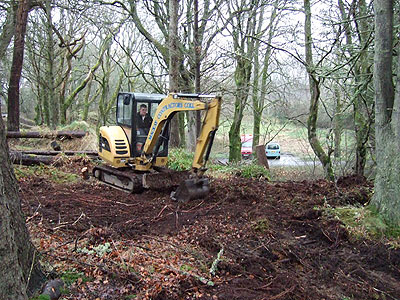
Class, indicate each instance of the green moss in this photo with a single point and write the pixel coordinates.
(364, 222)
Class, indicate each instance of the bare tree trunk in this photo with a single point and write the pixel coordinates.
(259, 94)
(54, 104)
(174, 65)
(16, 67)
(387, 181)
(19, 268)
(314, 103)
(197, 61)
(338, 126)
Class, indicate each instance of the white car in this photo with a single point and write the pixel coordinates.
(273, 150)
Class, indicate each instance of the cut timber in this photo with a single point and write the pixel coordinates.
(50, 135)
(31, 160)
(261, 156)
(54, 153)
(37, 157)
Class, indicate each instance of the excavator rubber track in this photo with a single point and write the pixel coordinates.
(124, 180)
(132, 182)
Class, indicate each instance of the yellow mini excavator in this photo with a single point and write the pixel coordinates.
(136, 157)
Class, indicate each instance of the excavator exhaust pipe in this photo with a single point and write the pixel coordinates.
(191, 189)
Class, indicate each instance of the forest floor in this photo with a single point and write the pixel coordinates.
(260, 239)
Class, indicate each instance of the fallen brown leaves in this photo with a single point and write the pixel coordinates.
(110, 245)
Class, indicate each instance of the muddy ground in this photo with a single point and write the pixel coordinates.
(273, 241)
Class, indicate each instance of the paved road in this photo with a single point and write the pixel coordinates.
(287, 160)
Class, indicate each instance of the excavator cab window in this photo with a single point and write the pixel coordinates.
(144, 118)
(124, 110)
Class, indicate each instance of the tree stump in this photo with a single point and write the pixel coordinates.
(261, 156)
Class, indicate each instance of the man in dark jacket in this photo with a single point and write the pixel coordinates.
(143, 121)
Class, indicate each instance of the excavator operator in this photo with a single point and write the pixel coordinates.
(143, 120)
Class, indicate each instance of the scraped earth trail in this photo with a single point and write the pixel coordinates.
(273, 240)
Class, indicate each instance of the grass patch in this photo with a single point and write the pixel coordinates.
(365, 222)
(242, 170)
(252, 171)
(50, 172)
(180, 159)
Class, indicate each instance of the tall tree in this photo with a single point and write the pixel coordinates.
(174, 64)
(315, 93)
(244, 26)
(261, 70)
(361, 70)
(387, 112)
(106, 44)
(6, 35)
(50, 59)
(197, 60)
(16, 67)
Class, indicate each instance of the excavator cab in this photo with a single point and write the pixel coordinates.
(129, 116)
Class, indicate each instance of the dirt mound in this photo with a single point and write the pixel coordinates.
(275, 244)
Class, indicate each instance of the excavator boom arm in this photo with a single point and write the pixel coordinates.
(183, 102)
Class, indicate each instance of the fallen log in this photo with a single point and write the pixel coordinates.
(37, 157)
(54, 153)
(49, 135)
(31, 160)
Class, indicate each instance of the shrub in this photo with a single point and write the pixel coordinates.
(180, 159)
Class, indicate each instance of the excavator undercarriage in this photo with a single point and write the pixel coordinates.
(129, 181)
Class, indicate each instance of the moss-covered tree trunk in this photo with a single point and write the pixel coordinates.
(363, 102)
(362, 98)
(387, 111)
(314, 101)
(242, 80)
(337, 123)
(244, 56)
(20, 272)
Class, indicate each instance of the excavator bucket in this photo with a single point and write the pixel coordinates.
(191, 189)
